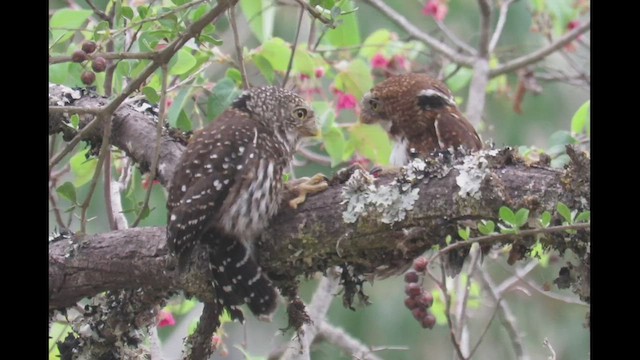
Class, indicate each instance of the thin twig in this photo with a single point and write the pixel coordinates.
(484, 332)
(104, 152)
(507, 318)
(547, 344)
(101, 14)
(404, 23)
(447, 311)
(462, 308)
(497, 237)
(502, 19)
(316, 14)
(236, 41)
(56, 211)
(150, 55)
(454, 39)
(293, 48)
(156, 158)
(485, 28)
(341, 339)
(316, 158)
(541, 53)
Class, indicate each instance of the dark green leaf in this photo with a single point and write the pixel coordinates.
(564, 211)
(179, 2)
(184, 61)
(127, 12)
(507, 215)
(545, 219)
(521, 217)
(68, 191)
(143, 11)
(151, 94)
(222, 96)
(265, 67)
(178, 104)
(184, 123)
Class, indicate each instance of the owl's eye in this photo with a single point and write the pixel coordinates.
(300, 113)
(374, 104)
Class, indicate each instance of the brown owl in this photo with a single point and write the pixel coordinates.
(420, 115)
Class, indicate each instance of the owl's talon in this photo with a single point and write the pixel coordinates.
(304, 186)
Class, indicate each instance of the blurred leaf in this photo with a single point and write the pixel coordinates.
(184, 123)
(177, 105)
(564, 211)
(581, 119)
(507, 215)
(67, 191)
(143, 11)
(486, 227)
(375, 43)
(210, 39)
(182, 62)
(447, 240)
(261, 15)
(182, 308)
(438, 308)
(222, 96)
(537, 251)
(334, 143)
(521, 217)
(179, 2)
(370, 141)
(584, 216)
(57, 333)
(151, 94)
(303, 63)
(82, 168)
(347, 33)
(460, 79)
(327, 4)
(545, 219)
(265, 67)
(68, 19)
(75, 120)
(123, 69)
(355, 80)
(499, 82)
(464, 233)
(127, 12)
(557, 142)
(277, 52)
(235, 75)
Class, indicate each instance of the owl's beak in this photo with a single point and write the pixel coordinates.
(310, 127)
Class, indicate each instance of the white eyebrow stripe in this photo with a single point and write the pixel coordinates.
(431, 92)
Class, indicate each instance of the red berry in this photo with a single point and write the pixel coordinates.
(88, 77)
(428, 321)
(413, 289)
(78, 56)
(420, 264)
(425, 299)
(89, 47)
(411, 277)
(410, 303)
(99, 64)
(419, 313)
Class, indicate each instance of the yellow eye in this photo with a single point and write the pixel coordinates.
(300, 113)
(373, 104)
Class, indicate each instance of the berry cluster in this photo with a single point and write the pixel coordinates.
(98, 64)
(419, 300)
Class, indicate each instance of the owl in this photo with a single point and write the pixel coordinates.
(228, 186)
(420, 115)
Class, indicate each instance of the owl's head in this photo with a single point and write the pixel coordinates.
(404, 101)
(280, 109)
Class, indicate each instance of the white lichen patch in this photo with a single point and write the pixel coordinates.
(472, 172)
(65, 97)
(391, 201)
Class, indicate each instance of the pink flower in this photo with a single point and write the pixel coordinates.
(436, 8)
(146, 183)
(345, 101)
(571, 47)
(165, 319)
(379, 62)
(400, 64)
(304, 77)
(319, 72)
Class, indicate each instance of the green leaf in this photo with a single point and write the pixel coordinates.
(507, 215)
(143, 11)
(584, 216)
(486, 227)
(179, 2)
(521, 217)
(545, 219)
(580, 121)
(347, 33)
(460, 79)
(235, 75)
(375, 43)
(184, 123)
(265, 67)
(277, 52)
(439, 308)
(178, 104)
(75, 120)
(67, 191)
(82, 168)
(303, 63)
(564, 211)
(464, 233)
(560, 162)
(182, 62)
(334, 144)
(447, 239)
(68, 19)
(127, 12)
(151, 94)
(370, 141)
(260, 15)
(182, 308)
(537, 251)
(210, 39)
(355, 80)
(222, 96)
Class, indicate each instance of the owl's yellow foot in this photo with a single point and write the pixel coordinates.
(304, 186)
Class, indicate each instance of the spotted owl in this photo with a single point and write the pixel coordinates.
(228, 186)
(420, 115)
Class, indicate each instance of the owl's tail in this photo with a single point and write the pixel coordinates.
(238, 279)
